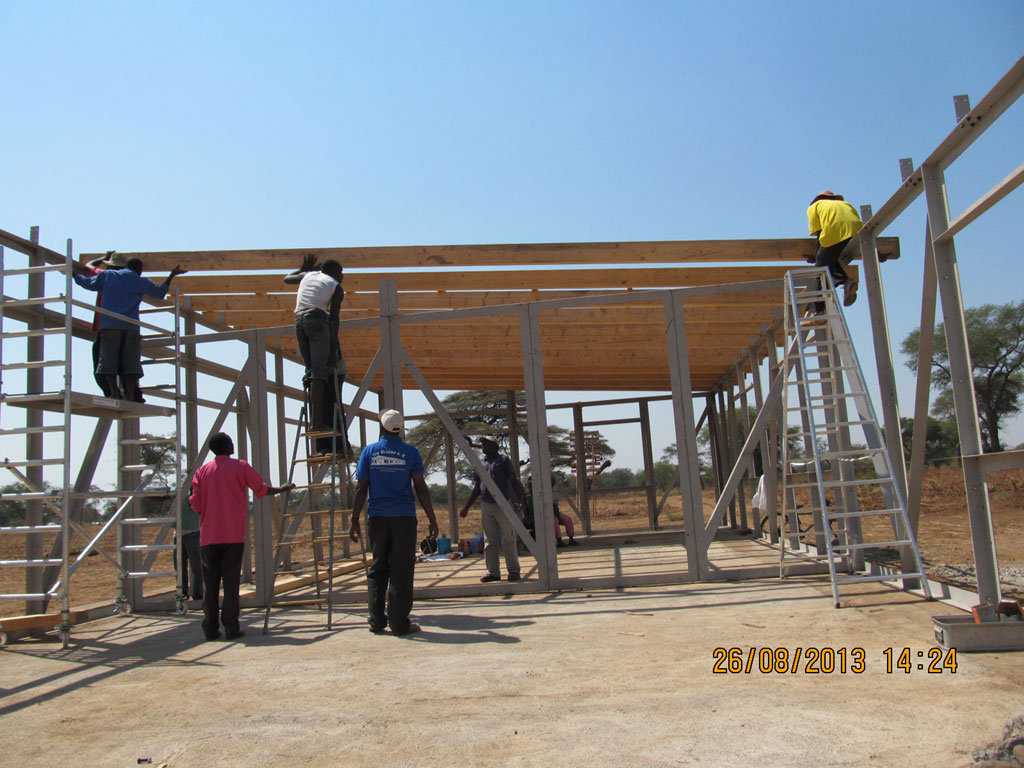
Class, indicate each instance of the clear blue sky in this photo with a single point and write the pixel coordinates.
(188, 125)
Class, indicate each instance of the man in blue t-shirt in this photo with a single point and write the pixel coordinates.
(120, 340)
(387, 472)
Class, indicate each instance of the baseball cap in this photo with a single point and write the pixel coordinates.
(391, 420)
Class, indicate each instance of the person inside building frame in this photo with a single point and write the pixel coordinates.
(220, 494)
(834, 222)
(561, 518)
(499, 535)
(317, 308)
(120, 350)
(388, 473)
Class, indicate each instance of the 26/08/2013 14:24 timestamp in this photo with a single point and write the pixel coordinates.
(826, 661)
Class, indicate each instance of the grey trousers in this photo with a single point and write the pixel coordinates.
(498, 535)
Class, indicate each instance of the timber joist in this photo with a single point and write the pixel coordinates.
(601, 306)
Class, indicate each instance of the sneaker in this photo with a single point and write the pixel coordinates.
(849, 293)
(214, 636)
(377, 629)
(513, 577)
(573, 543)
(234, 635)
(490, 577)
(413, 627)
(560, 544)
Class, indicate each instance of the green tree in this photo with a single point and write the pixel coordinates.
(996, 337)
(941, 440)
(483, 412)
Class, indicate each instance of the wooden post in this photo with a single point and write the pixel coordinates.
(648, 452)
(540, 456)
(686, 438)
(453, 501)
(582, 492)
(263, 538)
(961, 374)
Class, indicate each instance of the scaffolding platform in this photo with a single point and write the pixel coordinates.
(83, 404)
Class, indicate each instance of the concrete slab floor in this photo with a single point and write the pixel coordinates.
(601, 678)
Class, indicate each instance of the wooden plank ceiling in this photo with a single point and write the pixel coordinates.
(611, 347)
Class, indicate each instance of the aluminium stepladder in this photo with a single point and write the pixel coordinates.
(851, 496)
(321, 518)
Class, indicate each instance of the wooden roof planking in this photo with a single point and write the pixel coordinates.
(614, 345)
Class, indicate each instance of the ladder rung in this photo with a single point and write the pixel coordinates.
(877, 577)
(145, 574)
(315, 487)
(146, 547)
(32, 463)
(30, 528)
(31, 365)
(30, 430)
(34, 270)
(838, 394)
(32, 334)
(853, 453)
(315, 512)
(53, 495)
(872, 545)
(31, 302)
(324, 539)
(144, 467)
(32, 563)
(864, 513)
(28, 596)
(149, 441)
(144, 493)
(153, 360)
(867, 481)
(147, 520)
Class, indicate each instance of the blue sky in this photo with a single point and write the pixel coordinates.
(187, 125)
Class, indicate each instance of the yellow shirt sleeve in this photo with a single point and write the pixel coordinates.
(812, 220)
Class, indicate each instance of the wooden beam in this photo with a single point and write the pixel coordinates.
(376, 257)
(497, 280)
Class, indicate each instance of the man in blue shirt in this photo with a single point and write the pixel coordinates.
(387, 472)
(120, 340)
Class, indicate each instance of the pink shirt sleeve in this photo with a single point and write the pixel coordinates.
(256, 483)
(196, 498)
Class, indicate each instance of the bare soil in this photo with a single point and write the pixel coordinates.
(944, 536)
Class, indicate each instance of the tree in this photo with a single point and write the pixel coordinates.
(996, 337)
(941, 440)
(483, 412)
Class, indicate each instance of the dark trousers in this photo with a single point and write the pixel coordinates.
(393, 542)
(190, 549)
(829, 257)
(326, 444)
(221, 563)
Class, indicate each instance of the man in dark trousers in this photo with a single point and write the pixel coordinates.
(498, 531)
(834, 222)
(388, 471)
(220, 494)
(120, 352)
(317, 306)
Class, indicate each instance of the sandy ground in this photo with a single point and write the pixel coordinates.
(604, 678)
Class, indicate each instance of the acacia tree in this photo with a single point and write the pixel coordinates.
(486, 412)
(996, 337)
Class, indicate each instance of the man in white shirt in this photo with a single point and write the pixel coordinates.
(317, 307)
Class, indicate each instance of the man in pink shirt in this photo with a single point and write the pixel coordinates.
(220, 494)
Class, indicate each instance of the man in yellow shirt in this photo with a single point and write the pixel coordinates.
(834, 222)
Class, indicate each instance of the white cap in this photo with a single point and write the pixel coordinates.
(391, 420)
